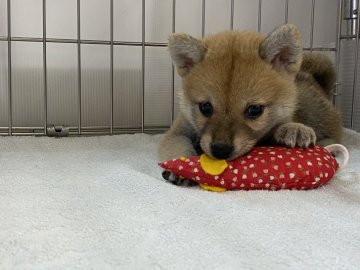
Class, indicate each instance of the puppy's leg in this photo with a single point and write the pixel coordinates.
(174, 147)
(177, 143)
(295, 134)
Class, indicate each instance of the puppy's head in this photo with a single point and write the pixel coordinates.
(237, 86)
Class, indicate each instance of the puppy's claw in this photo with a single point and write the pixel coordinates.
(176, 180)
(166, 175)
(295, 134)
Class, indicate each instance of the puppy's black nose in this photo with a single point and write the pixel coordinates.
(221, 151)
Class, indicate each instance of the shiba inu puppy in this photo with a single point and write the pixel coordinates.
(241, 89)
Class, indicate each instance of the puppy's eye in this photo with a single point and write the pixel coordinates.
(206, 108)
(254, 111)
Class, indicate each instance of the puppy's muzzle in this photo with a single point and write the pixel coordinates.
(221, 151)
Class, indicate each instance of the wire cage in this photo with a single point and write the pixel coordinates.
(94, 67)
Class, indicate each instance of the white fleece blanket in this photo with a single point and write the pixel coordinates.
(100, 203)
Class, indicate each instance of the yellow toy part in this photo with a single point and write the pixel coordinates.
(213, 166)
(212, 188)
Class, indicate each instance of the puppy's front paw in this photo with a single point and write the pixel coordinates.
(176, 180)
(295, 134)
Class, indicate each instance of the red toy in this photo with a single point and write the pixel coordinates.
(269, 168)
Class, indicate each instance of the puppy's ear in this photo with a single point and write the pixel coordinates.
(283, 48)
(185, 51)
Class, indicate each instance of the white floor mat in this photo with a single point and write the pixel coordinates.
(100, 203)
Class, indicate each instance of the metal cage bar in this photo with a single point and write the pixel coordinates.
(84, 41)
(355, 67)
(172, 67)
(45, 68)
(337, 50)
(9, 68)
(286, 11)
(259, 15)
(232, 14)
(143, 66)
(203, 5)
(79, 64)
(111, 66)
(312, 25)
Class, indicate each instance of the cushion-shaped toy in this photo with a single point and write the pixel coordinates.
(269, 168)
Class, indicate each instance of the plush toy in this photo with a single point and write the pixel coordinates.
(269, 168)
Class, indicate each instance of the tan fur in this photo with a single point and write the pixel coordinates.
(321, 70)
(233, 70)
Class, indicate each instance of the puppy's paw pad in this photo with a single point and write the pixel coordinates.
(176, 180)
(295, 134)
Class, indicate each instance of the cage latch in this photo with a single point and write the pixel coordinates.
(57, 131)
